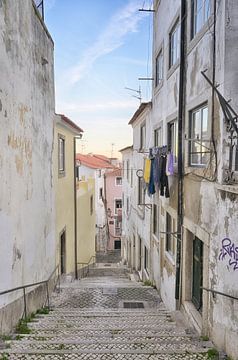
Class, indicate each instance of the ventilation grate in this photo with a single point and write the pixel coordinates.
(133, 305)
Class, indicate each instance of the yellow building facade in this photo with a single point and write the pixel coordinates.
(65, 191)
(86, 220)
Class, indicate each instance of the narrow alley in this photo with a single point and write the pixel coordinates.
(107, 315)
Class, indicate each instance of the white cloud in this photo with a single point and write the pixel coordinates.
(121, 24)
(91, 107)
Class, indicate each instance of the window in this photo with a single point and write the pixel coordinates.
(201, 10)
(155, 220)
(117, 227)
(118, 205)
(91, 204)
(61, 154)
(142, 137)
(118, 180)
(174, 44)
(123, 168)
(100, 193)
(128, 170)
(158, 137)
(127, 205)
(131, 177)
(159, 68)
(139, 252)
(198, 134)
(170, 234)
(99, 173)
(141, 191)
(172, 139)
(146, 259)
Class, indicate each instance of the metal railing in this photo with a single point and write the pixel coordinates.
(85, 267)
(24, 287)
(219, 293)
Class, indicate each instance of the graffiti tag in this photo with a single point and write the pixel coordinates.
(229, 250)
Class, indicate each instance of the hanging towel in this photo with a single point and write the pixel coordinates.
(151, 188)
(147, 167)
(170, 164)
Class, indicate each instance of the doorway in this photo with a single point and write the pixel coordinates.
(197, 280)
(63, 252)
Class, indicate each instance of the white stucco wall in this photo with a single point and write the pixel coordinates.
(27, 243)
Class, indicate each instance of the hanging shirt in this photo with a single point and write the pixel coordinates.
(163, 177)
(151, 188)
(147, 168)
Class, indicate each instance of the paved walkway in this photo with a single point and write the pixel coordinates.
(104, 317)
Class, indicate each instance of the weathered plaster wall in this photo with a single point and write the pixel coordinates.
(27, 244)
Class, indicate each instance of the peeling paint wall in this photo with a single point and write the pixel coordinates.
(27, 243)
(210, 207)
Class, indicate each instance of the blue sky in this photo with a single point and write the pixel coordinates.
(101, 47)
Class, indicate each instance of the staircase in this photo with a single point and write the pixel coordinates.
(107, 317)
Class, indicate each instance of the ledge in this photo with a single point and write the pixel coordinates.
(228, 188)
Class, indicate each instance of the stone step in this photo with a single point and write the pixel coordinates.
(102, 332)
(105, 337)
(108, 347)
(75, 355)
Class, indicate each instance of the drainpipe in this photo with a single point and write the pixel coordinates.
(75, 214)
(181, 114)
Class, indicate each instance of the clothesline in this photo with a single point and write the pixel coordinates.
(157, 167)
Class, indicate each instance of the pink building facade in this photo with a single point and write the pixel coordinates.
(113, 196)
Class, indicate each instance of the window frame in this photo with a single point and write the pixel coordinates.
(119, 201)
(175, 30)
(142, 136)
(159, 68)
(141, 192)
(195, 139)
(170, 240)
(120, 182)
(61, 155)
(158, 143)
(172, 141)
(205, 16)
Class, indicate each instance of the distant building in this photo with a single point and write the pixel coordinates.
(137, 241)
(27, 104)
(113, 199)
(97, 167)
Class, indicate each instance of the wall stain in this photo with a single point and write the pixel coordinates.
(16, 255)
(19, 165)
(23, 109)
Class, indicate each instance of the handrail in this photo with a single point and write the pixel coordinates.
(86, 264)
(219, 293)
(24, 287)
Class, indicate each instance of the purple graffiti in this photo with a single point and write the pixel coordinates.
(229, 250)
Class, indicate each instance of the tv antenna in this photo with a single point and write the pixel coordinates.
(138, 96)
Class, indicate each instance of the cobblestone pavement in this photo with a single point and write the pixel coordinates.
(89, 321)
